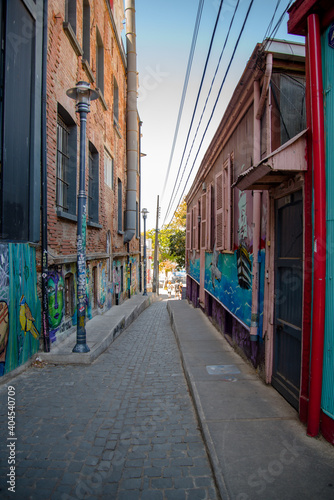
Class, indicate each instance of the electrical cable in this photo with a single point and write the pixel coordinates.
(200, 121)
(184, 91)
(196, 103)
(216, 102)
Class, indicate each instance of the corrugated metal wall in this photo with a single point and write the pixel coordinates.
(327, 403)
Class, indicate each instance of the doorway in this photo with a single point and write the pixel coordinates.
(288, 296)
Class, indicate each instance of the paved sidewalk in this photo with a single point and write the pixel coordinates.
(121, 428)
(259, 450)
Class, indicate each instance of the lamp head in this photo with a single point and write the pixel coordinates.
(82, 93)
(144, 213)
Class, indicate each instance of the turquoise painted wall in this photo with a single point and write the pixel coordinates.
(327, 402)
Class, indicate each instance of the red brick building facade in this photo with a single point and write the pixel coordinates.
(84, 44)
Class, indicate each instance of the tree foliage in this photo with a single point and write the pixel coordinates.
(172, 240)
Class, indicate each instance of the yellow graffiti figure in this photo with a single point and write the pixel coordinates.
(26, 319)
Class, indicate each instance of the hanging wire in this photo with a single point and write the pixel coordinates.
(216, 102)
(195, 108)
(185, 86)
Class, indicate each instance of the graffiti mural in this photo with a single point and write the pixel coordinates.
(227, 289)
(103, 284)
(116, 271)
(55, 284)
(4, 331)
(194, 266)
(20, 309)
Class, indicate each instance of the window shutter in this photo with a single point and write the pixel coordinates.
(188, 231)
(227, 170)
(219, 215)
(194, 238)
(209, 218)
(203, 222)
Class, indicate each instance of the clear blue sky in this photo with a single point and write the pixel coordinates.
(164, 36)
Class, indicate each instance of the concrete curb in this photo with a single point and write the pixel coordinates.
(213, 458)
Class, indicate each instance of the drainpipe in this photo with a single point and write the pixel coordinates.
(131, 122)
(257, 195)
(45, 302)
(139, 211)
(319, 253)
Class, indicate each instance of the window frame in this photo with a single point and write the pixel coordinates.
(70, 211)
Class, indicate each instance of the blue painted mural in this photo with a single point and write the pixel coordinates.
(20, 308)
(194, 267)
(222, 280)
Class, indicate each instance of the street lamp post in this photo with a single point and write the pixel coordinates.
(82, 94)
(144, 213)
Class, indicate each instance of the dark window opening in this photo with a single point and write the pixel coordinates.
(99, 62)
(71, 14)
(69, 295)
(93, 184)
(86, 31)
(116, 102)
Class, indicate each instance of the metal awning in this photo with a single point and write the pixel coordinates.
(283, 163)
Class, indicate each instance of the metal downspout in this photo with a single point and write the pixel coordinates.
(45, 302)
(319, 253)
(131, 122)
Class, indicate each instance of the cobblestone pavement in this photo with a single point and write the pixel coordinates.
(121, 428)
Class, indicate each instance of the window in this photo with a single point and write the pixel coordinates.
(69, 295)
(99, 62)
(116, 102)
(108, 169)
(20, 119)
(93, 184)
(66, 163)
(71, 14)
(223, 207)
(86, 31)
(120, 204)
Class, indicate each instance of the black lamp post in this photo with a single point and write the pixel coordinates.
(82, 94)
(144, 213)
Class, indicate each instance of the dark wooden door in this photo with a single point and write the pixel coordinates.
(288, 296)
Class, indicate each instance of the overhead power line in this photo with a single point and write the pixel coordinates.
(195, 108)
(201, 117)
(185, 86)
(216, 102)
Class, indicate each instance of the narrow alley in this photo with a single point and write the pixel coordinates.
(123, 427)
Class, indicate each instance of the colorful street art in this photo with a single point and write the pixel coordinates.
(194, 266)
(222, 282)
(4, 332)
(55, 284)
(20, 308)
(116, 272)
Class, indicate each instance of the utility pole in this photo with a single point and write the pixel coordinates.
(155, 287)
